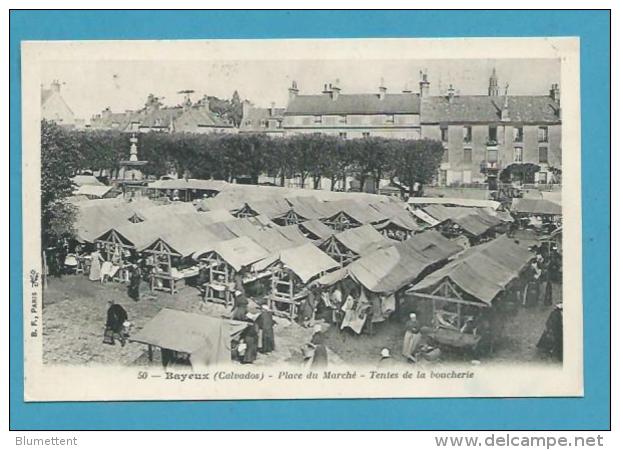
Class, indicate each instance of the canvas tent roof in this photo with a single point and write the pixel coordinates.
(535, 206)
(206, 339)
(364, 214)
(474, 224)
(86, 180)
(311, 208)
(186, 240)
(397, 213)
(95, 217)
(239, 252)
(466, 202)
(292, 233)
(193, 184)
(317, 228)
(433, 245)
(93, 190)
(387, 270)
(362, 240)
(423, 216)
(163, 212)
(140, 235)
(482, 271)
(442, 213)
(271, 208)
(307, 261)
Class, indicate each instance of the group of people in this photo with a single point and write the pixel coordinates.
(258, 336)
(543, 271)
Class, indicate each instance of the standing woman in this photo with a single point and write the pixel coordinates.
(412, 338)
(95, 265)
(134, 283)
(264, 322)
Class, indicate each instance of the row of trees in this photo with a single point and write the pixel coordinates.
(309, 157)
(229, 157)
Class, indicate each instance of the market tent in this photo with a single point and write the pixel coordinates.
(220, 230)
(363, 239)
(307, 261)
(360, 213)
(271, 239)
(482, 272)
(206, 339)
(93, 190)
(316, 228)
(136, 235)
(348, 245)
(442, 213)
(424, 217)
(309, 208)
(466, 202)
(474, 224)
(433, 245)
(389, 269)
(238, 253)
(215, 216)
(95, 217)
(86, 180)
(182, 240)
(398, 213)
(292, 233)
(535, 207)
(163, 212)
(191, 184)
(271, 208)
(246, 226)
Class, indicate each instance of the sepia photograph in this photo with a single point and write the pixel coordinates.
(302, 219)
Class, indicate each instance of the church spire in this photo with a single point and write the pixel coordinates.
(493, 84)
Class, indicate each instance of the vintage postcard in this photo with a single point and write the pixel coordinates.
(289, 219)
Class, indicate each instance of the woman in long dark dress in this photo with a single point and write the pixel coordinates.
(134, 283)
(250, 337)
(319, 359)
(264, 322)
(116, 317)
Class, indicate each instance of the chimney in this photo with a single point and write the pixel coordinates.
(554, 93)
(451, 93)
(382, 90)
(335, 89)
(293, 91)
(327, 89)
(55, 86)
(272, 109)
(504, 114)
(493, 85)
(424, 84)
(106, 112)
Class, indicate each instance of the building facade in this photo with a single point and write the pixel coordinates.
(186, 118)
(54, 108)
(484, 134)
(262, 120)
(350, 116)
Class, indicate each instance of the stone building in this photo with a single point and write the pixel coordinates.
(484, 134)
(380, 114)
(54, 108)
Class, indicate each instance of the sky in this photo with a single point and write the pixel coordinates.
(91, 86)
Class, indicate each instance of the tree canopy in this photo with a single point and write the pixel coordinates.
(62, 153)
(309, 157)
